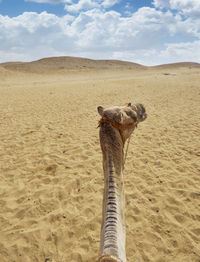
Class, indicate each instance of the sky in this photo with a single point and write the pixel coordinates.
(148, 32)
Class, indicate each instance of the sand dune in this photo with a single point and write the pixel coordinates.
(61, 64)
(51, 178)
(56, 64)
(189, 65)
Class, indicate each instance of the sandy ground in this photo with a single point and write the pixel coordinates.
(51, 178)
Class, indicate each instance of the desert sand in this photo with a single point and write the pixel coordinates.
(51, 176)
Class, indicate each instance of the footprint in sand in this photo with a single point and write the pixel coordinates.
(51, 170)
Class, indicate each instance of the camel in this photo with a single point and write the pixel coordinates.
(116, 125)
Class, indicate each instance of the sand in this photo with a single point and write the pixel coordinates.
(51, 177)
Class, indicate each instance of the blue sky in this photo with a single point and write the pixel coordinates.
(14, 8)
(149, 32)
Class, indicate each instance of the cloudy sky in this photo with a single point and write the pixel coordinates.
(148, 32)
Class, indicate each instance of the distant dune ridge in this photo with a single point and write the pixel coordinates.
(63, 63)
(55, 64)
(51, 174)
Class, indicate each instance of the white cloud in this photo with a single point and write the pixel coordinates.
(81, 5)
(31, 36)
(181, 52)
(109, 3)
(162, 3)
(72, 6)
(185, 7)
(89, 4)
(147, 36)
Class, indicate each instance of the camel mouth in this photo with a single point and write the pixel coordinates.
(141, 112)
(142, 118)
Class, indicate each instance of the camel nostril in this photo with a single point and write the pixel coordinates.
(145, 116)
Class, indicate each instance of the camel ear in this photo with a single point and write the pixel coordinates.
(129, 104)
(100, 110)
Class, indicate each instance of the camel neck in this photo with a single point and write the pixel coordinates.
(113, 224)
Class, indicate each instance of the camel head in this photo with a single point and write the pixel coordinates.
(124, 118)
(140, 110)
